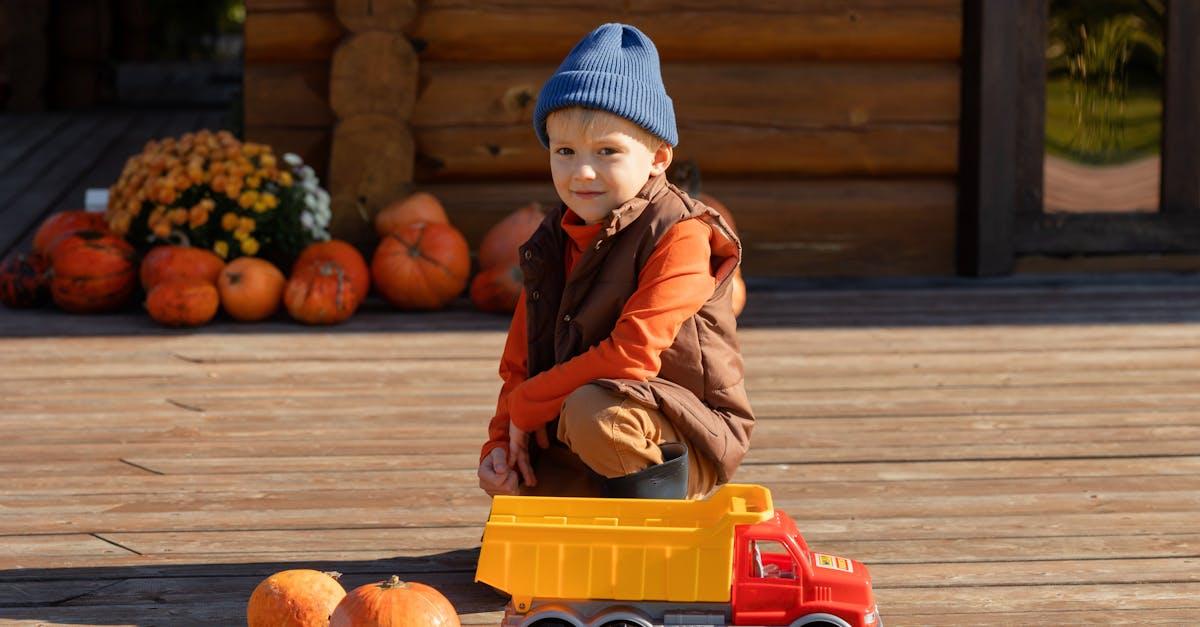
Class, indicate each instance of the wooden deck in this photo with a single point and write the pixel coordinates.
(1001, 453)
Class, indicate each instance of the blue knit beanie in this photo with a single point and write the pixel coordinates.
(615, 69)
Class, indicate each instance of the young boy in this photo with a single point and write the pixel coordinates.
(622, 360)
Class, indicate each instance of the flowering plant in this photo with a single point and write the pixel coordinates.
(210, 190)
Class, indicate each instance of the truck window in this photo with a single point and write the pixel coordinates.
(769, 559)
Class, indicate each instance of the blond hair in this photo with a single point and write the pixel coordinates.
(595, 122)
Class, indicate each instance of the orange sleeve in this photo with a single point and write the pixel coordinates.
(675, 282)
(514, 368)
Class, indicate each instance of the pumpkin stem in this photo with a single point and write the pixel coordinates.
(393, 582)
(333, 574)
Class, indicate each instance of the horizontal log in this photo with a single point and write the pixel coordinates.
(312, 144)
(471, 152)
(801, 228)
(287, 94)
(291, 36)
(800, 95)
(378, 15)
(761, 30)
(266, 6)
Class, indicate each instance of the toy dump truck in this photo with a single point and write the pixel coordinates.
(731, 559)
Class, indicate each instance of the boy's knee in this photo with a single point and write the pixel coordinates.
(582, 416)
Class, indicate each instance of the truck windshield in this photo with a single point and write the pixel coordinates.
(771, 560)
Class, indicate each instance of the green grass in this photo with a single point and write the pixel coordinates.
(1141, 135)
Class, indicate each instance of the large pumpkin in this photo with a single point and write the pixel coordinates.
(320, 293)
(182, 302)
(295, 598)
(497, 289)
(251, 288)
(501, 243)
(346, 256)
(174, 263)
(421, 266)
(24, 280)
(394, 603)
(64, 223)
(92, 271)
(418, 207)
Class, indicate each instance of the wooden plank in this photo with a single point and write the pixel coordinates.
(265, 6)
(291, 36)
(803, 94)
(475, 152)
(40, 183)
(26, 133)
(1106, 264)
(287, 94)
(763, 30)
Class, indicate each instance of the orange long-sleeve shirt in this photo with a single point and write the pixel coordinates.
(675, 282)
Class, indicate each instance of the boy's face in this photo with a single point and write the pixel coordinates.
(601, 163)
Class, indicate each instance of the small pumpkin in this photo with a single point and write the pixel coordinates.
(64, 223)
(418, 207)
(320, 293)
(250, 288)
(739, 292)
(187, 302)
(173, 263)
(501, 243)
(497, 289)
(346, 256)
(295, 598)
(394, 603)
(92, 272)
(421, 266)
(24, 280)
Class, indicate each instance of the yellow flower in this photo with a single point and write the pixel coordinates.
(221, 248)
(267, 161)
(270, 200)
(285, 179)
(229, 221)
(197, 216)
(179, 216)
(250, 246)
(240, 235)
(260, 207)
(120, 223)
(253, 182)
(247, 225)
(162, 230)
(248, 198)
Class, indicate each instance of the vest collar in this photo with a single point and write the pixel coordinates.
(624, 215)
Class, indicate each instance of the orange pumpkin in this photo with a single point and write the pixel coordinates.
(64, 223)
(92, 271)
(182, 302)
(346, 256)
(721, 209)
(418, 207)
(24, 281)
(295, 598)
(394, 603)
(497, 289)
(501, 243)
(739, 292)
(320, 293)
(173, 263)
(421, 266)
(250, 288)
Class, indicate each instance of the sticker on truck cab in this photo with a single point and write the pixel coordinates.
(834, 562)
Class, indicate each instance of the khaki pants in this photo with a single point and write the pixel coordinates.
(602, 433)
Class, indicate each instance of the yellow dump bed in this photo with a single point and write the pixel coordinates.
(626, 549)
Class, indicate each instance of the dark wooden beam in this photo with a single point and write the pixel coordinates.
(1181, 112)
(1098, 233)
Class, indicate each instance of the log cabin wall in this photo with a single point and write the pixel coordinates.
(829, 128)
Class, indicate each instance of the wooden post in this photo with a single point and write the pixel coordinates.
(372, 91)
(27, 53)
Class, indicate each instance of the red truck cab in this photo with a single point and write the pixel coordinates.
(777, 580)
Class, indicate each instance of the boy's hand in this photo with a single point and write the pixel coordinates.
(495, 477)
(518, 451)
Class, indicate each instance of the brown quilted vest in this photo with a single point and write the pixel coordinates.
(700, 386)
